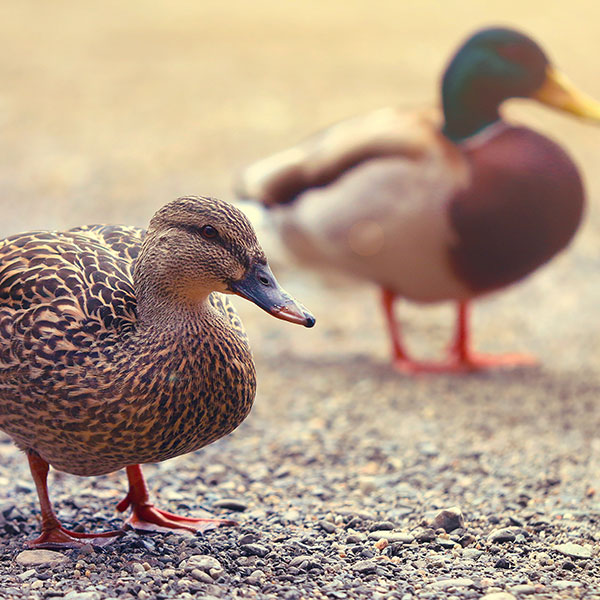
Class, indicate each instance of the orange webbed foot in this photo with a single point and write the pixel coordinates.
(472, 363)
(147, 517)
(59, 537)
(483, 362)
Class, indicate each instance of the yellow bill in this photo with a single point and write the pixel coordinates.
(557, 91)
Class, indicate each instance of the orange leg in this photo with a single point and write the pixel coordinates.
(387, 302)
(461, 358)
(146, 517)
(54, 535)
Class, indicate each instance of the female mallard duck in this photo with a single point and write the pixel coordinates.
(118, 347)
(434, 210)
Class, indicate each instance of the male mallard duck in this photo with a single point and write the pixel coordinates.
(118, 347)
(433, 209)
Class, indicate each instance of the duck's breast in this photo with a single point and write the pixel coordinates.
(523, 205)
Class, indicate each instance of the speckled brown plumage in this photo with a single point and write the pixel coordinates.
(84, 385)
(118, 347)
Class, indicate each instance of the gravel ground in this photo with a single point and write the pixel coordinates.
(348, 480)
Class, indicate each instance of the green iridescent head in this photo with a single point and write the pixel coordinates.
(492, 66)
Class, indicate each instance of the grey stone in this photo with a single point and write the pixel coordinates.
(306, 561)
(446, 542)
(254, 550)
(365, 567)
(200, 575)
(327, 526)
(87, 595)
(523, 589)
(391, 536)
(34, 558)
(256, 577)
(231, 504)
(381, 526)
(26, 574)
(574, 550)
(506, 534)
(446, 584)
(425, 535)
(447, 519)
(247, 538)
(471, 553)
(203, 562)
(563, 584)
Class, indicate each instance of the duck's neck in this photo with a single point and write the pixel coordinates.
(166, 313)
(164, 301)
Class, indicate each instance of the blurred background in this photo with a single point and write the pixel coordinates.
(108, 110)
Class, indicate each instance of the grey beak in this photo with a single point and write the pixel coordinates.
(260, 286)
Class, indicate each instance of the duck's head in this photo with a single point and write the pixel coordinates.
(197, 245)
(494, 65)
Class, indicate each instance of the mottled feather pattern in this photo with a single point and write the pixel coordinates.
(81, 385)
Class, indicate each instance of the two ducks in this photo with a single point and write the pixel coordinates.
(119, 346)
(434, 207)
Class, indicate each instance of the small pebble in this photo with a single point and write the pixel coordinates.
(256, 577)
(447, 519)
(365, 567)
(247, 538)
(503, 563)
(26, 574)
(574, 550)
(381, 526)
(89, 595)
(231, 504)
(506, 534)
(37, 558)
(391, 536)
(203, 562)
(200, 575)
(445, 584)
(254, 550)
(523, 589)
(563, 584)
(327, 526)
(471, 553)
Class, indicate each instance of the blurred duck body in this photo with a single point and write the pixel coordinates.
(436, 205)
(118, 346)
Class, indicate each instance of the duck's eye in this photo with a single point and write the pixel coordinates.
(209, 232)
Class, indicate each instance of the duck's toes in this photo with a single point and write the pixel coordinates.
(150, 518)
(465, 364)
(482, 362)
(60, 538)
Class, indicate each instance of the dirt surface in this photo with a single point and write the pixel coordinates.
(108, 110)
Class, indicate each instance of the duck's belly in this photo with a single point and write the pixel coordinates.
(384, 221)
